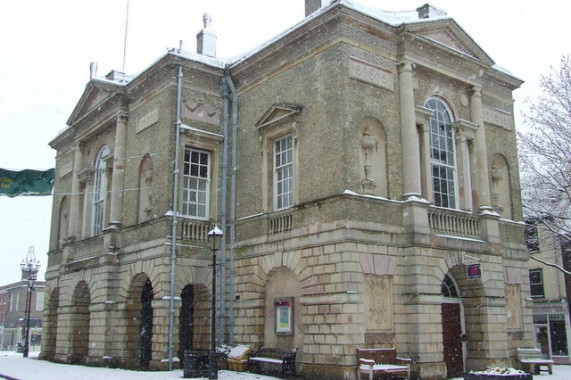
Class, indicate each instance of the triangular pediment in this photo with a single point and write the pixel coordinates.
(449, 34)
(92, 98)
(278, 112)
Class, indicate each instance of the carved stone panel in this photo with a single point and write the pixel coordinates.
(378, 303)
(371, 74)
(513, 307)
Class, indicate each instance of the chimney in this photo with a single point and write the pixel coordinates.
(92, 70)
(206, 38)
(314, 5)
(429, 11)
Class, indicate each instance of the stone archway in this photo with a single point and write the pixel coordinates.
(49, 327)
(453, 328)
(194, 319)
(80, 321)
(283, 292)
(146, 326)
(139, 323)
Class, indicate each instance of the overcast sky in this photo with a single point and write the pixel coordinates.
(46, 47)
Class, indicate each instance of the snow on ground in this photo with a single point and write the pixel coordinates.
(14, 366)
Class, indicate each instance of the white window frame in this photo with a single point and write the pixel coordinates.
(283, 172)
(445, 146)
(99, 191)
(196, 188)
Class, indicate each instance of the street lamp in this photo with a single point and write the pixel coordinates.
(30, 267)
(214, 237)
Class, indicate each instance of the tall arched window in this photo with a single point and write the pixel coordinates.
(99, 190)
(442, 155)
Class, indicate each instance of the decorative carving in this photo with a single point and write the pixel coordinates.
(368, 73)
(368, 143)
(147, 120)
(379, 301)
(498, 117)
(197, 110)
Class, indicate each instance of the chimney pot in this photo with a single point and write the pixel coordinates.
(92, 70)
(206, 38)
(429, 11)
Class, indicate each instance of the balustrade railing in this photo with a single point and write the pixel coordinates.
(281, 222)
(453, 223)
(194, 230)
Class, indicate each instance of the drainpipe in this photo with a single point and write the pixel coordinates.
(233, 198)
(174, 216)
(223, 195)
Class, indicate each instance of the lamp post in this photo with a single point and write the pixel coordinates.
(214, 236)
(30, 267)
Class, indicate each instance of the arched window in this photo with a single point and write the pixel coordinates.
(442, 156)
(448, 287)
(99, 190)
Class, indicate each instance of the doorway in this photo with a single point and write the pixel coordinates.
(186, 321)
(453, 328)
(146, 329)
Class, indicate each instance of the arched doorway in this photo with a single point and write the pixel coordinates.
(186, 321)
(80, 323)
(139, 323)
(453, 329)
(146, 326)
(49, 328)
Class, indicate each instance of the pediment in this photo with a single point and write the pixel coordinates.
(93, 97)
(278, 112)
(449, 34)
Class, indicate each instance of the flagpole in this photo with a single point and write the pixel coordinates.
(125, 42)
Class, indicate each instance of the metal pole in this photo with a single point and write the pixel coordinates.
(27, 328)
(174, 218)
(213, 365)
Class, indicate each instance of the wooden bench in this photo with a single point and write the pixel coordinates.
(382, 361)
(531, 361)
(270, 355)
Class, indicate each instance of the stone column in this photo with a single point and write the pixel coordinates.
(423, 115)
(118, 175)
(409, 134)
(464, 175)
(74, 204)
(482, 193)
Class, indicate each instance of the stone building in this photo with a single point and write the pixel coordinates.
(359, 164)
(550, 291)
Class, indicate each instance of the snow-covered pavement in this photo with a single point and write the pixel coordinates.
(14, 366)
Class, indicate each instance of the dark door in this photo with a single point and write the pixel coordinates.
(452, 339)
(186, 321)
(146, 332)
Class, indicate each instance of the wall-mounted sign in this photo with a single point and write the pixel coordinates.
(473, 271)
(284, 314)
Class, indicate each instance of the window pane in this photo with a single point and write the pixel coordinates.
(196, 184)
(442, 155)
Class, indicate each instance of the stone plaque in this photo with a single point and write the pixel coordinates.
(498, 117)
(513, 307)
(147, 120)
(371, 74)
(378, 303)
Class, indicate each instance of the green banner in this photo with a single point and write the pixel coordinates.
(26, 182)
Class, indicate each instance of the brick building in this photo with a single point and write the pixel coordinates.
(358, 164)
(13, 315)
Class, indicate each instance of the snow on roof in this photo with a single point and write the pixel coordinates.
(393, 18)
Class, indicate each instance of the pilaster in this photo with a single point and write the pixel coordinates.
(409, 134)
